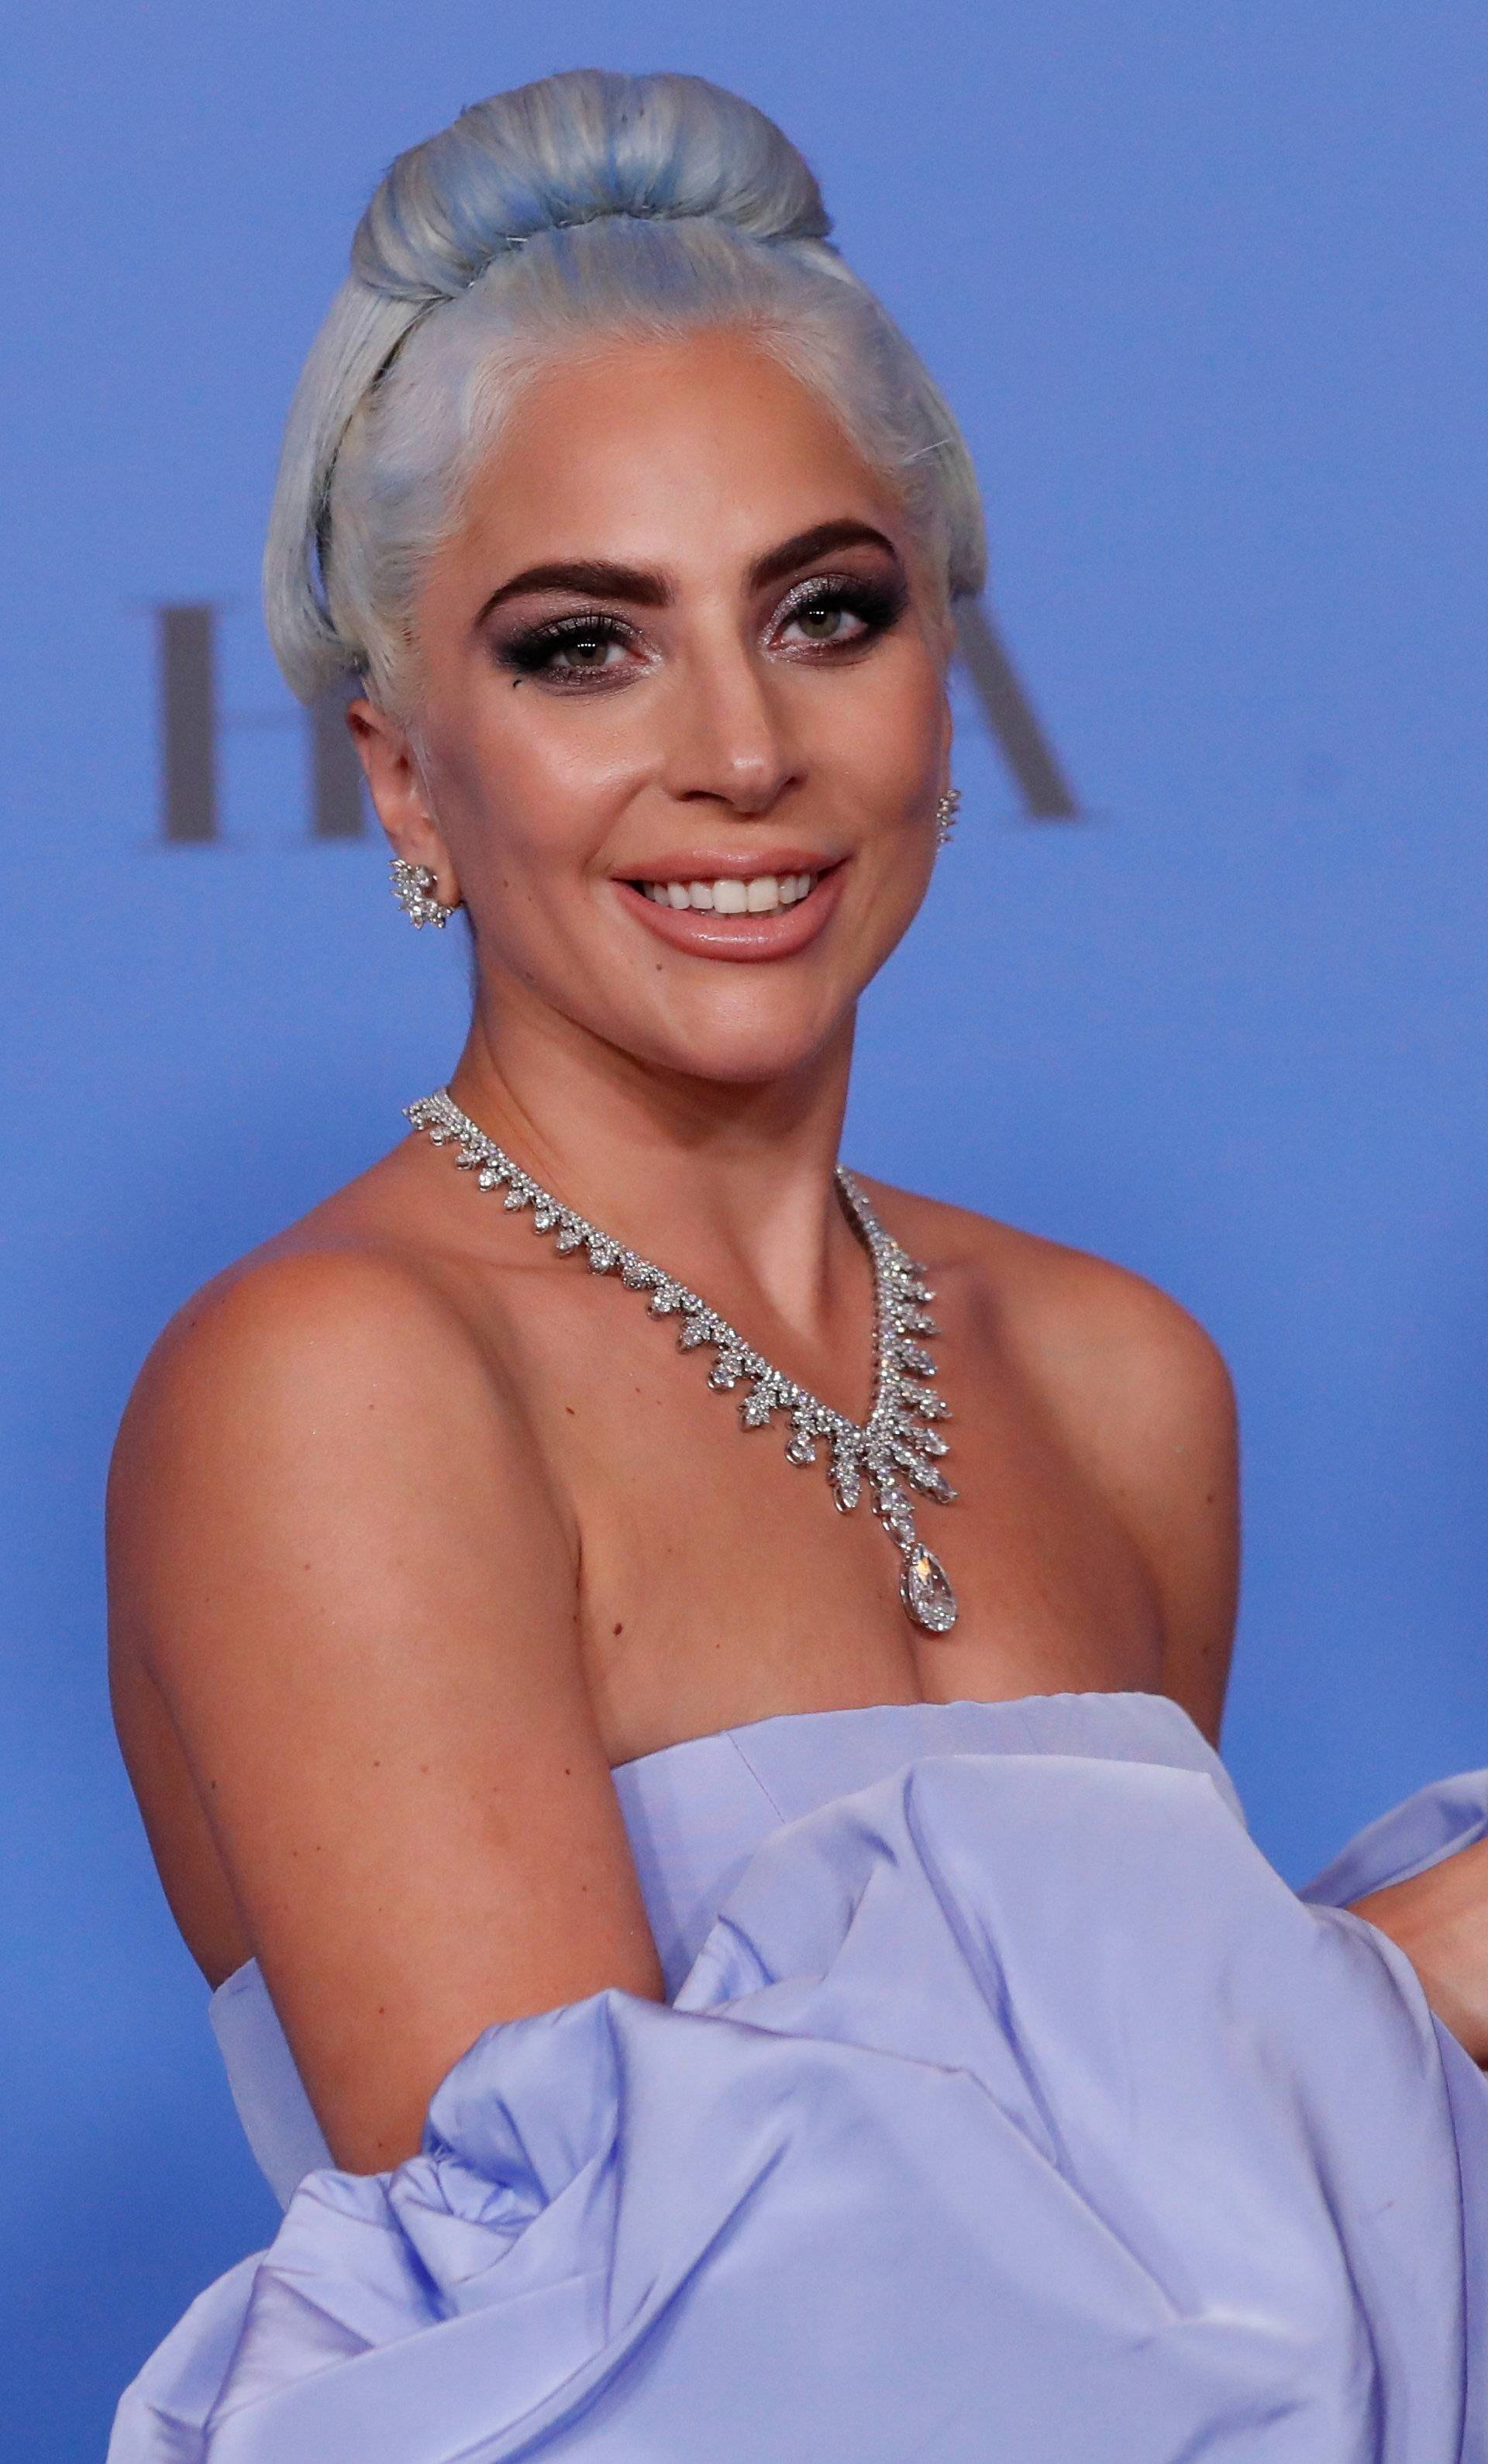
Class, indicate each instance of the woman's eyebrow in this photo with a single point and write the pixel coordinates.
(596, 578)
(807, 545)
(593, 578)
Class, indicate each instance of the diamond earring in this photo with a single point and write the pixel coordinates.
(413, 886)
(945, 816)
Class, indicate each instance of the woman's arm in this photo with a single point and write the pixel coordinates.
(1174, 1468)
(334, 1552)
(1439, 1919)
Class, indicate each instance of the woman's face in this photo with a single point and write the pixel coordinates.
(682, 716)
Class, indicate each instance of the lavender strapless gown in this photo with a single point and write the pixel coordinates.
(1006, 2106)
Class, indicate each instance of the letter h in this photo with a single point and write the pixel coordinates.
(190, 723)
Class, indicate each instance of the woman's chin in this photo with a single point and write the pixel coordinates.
(758, 1059)
(728, 1038)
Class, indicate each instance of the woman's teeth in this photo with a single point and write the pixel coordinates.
(760, 896)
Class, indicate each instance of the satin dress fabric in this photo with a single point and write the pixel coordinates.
(1005, 2104)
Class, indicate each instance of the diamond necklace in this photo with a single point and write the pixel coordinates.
(896, 1446)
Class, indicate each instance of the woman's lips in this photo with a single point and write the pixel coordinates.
(747, 937)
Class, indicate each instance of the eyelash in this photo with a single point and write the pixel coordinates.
(877, 605)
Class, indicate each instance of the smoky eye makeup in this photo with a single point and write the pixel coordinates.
(874, 602)
(565, 650)
(593, 649)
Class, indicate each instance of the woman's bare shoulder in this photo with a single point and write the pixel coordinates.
(349, 1295)
(325, 1401)
(1141, 1395)
(1073, 1311)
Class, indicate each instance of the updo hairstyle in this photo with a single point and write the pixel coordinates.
(587, 205)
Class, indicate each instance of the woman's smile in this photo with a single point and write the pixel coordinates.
(738, 908)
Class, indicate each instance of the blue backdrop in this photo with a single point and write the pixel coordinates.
(1206, 286)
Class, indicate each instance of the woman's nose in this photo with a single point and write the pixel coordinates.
(730, 742)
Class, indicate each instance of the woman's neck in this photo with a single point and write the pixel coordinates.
(726, 1185)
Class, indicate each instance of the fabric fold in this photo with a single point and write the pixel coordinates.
(1013, 2106)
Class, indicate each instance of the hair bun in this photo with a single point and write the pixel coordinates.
(572, 148)
(586, 203)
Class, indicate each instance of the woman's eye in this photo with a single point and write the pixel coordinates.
(826, 623)
(584, 651)
(566, 654)
(839, 616)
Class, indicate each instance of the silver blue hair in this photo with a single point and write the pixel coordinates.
(589, 203)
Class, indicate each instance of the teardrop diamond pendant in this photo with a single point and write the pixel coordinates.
(896, 1449)
(925, 1588)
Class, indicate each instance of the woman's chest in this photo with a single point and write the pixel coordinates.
(718, 1581)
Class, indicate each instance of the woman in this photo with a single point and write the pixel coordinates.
(855, 2020)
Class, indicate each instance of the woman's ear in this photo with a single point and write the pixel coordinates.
(396, 787)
